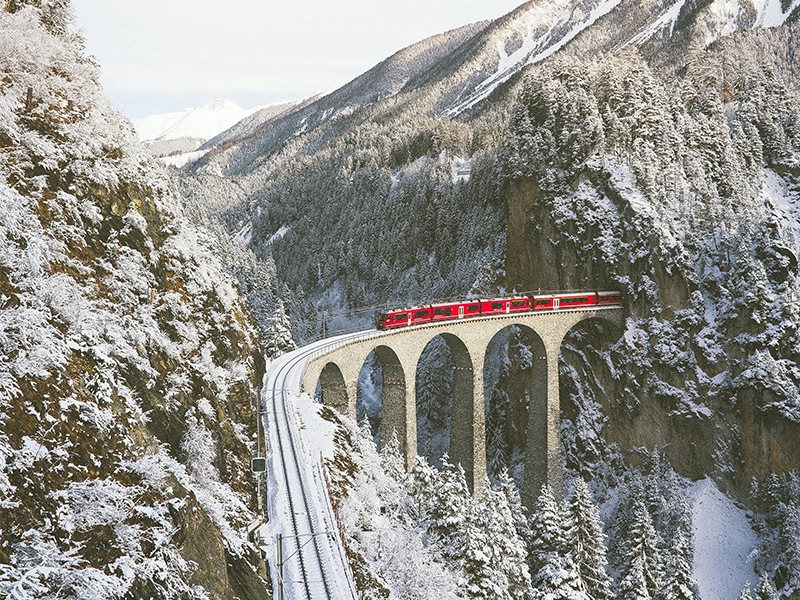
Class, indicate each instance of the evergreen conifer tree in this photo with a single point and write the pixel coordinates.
(553, 572)
(746, 594)
(423, 480)
(641, 576)
(509, 490)
(678, 582)
(765, 590)
(493, 553)
(585, 538)
(279, 332)
(449, 504)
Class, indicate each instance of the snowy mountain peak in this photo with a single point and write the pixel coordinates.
(204, 122)
(220, 104)
(180, 134)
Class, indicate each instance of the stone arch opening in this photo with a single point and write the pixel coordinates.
(332, 389)
(434, 400)
(381, 396)
(460, 435)
(515, 399)
(368, 395)
(586, 385)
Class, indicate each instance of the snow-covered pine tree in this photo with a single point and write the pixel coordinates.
(586, 543)
(509, 489)
(422, 481)
(746, 593)
(553, 572)
(279, 338)
(493, 553)
(678, 582)
(449, 505)
(765, 590)
(789, 545)
(641, 573)
(631, 494)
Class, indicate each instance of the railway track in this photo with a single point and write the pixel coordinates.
(312, 562)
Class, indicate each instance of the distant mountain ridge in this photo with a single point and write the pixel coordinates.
(455, 73)
(180, 133)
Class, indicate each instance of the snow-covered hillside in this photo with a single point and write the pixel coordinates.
(129, 364)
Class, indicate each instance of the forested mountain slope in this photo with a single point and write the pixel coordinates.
(129, 364)
(648, 147)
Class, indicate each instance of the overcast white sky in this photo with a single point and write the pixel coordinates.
(161, 56)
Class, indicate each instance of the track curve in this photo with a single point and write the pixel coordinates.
(314, 564)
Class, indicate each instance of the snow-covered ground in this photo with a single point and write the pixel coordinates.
(298, 505)
(723, 542)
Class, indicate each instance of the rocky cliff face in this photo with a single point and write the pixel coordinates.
(682, 195)
(129, 365)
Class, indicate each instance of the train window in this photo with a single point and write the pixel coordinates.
(442, 311)
(387, 318)
(420, 314)
(582, 300)
(518, 303)
(497, 305)
(544, 301)
(474, 308)
(400, 317)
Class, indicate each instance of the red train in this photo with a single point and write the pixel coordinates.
(449, 311)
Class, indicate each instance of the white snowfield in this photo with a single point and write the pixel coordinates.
(314, 563)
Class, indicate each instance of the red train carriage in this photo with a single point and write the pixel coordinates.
(455, 310)
(562, 301)
(609, 298)
(499, 306)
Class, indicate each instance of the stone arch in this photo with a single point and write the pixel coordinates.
(466, 421)
(516, 408)
(333, 389)
(433, 399)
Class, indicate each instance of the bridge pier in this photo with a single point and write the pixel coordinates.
(398, 412)
(467, 426)
(543, 452)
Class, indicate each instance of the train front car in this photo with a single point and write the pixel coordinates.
(405, 318)
(387, 320)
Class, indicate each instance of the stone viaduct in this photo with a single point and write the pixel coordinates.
(398, 353)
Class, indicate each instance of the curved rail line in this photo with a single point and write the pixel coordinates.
(315, 561)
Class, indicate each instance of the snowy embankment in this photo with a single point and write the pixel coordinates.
(723, 543)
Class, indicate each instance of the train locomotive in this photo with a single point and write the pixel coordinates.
(450, 311)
